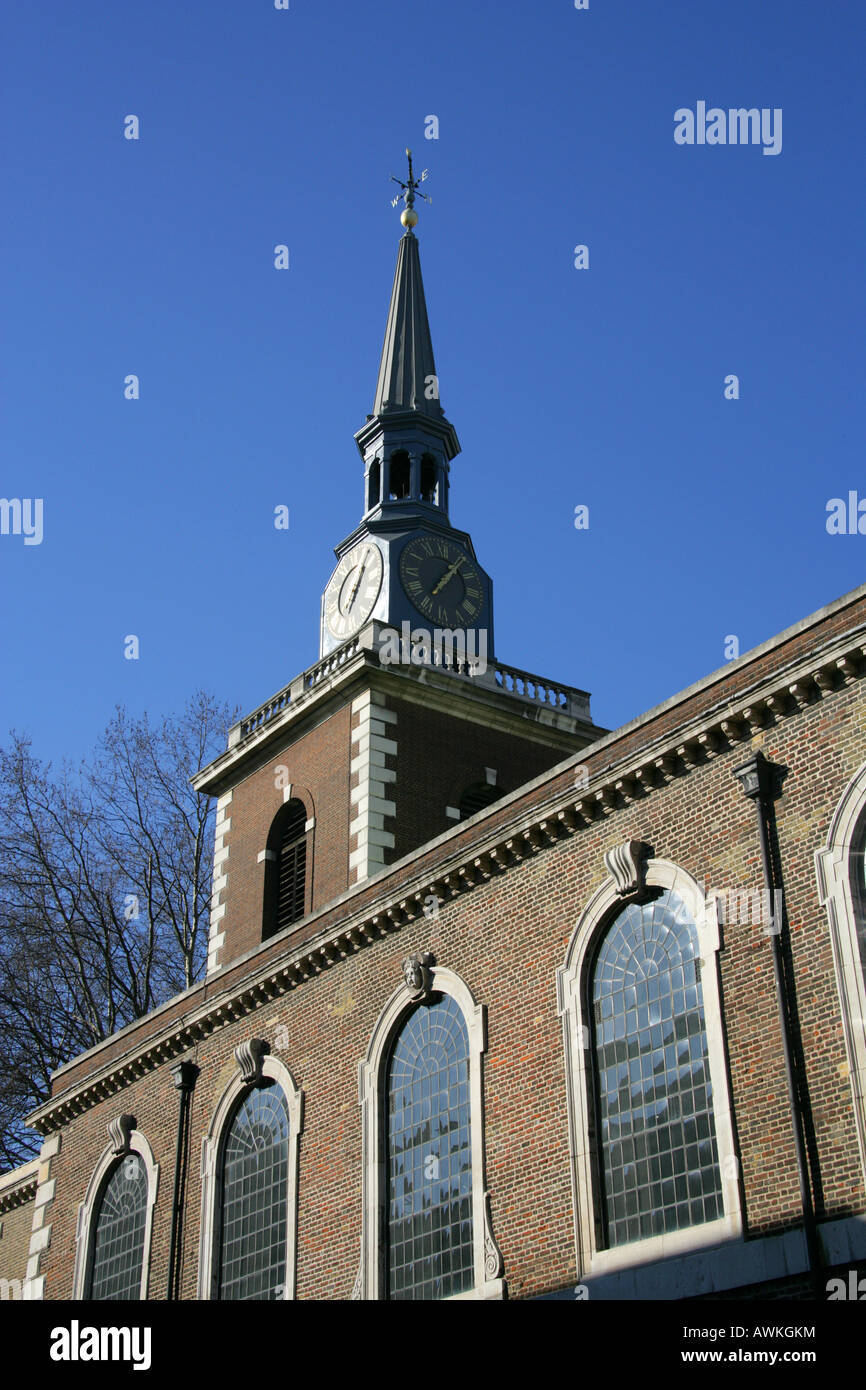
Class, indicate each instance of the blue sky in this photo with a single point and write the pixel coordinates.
(602, 387)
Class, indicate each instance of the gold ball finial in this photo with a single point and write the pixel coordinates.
(409, 217)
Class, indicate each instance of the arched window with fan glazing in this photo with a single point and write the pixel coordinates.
(117, 1254)
(658, 1161)
(253, 1199)
(840, 865)
(430, 1238)
(857, 870)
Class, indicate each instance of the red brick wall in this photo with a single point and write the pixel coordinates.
(15, 1241)
(439, 755)
(318, 769)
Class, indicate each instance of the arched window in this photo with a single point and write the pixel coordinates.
(248, 1240)
(649, 1108)
(841, 872)
(426, 1225)
(428, 478)
(400, 475)
(857, 874)
(429, 1156)
(112, 1256)
(254, 1181)
(658, 1159)
(476, 797)
(118, 1241)
(285, 895)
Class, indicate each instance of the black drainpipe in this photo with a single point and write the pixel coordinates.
(184, 1077)
(760, 782)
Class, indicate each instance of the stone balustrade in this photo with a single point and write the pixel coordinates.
(507, 680)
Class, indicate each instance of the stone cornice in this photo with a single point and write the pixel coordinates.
(19, 1186)
(520, 832)
(481, 705)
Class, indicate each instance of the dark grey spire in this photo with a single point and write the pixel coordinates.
(407, 371)
(407, 443)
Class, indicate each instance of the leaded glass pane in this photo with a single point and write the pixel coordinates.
(255, 1180)
(659, 1160)
(430, 1238)
(858, 891)
(118, 1243)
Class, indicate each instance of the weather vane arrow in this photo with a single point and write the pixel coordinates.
(411, 187)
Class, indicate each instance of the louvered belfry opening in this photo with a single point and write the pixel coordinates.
(285, 891)
(476, 797)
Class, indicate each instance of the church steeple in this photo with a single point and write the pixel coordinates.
(405, 563)
(407, 371)
(407, 443)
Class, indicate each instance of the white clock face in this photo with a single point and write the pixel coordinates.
(353, 589)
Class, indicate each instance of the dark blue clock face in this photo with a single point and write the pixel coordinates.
(442, 581)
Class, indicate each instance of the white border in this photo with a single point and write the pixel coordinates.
(216, 933)
(570, 984)
(211, 1155)
(85, 1225)
(487, 1259)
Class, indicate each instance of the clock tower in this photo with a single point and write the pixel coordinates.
(405, 563)
(407, 725)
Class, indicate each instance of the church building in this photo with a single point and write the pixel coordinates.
(498, 1003)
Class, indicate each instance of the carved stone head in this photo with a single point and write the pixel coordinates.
(418, 975)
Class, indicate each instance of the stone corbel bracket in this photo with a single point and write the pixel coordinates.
(119, 1131)
(626, 864)
(492, 1254)
(249, 1056)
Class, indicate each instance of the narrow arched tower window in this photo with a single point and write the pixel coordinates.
(118, 1242)
(285, 869)
(400, 475)
(254, 1177)
(430, 1248)
(658, 1160)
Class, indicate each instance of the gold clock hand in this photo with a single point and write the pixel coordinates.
(354, 592)
(448, 575)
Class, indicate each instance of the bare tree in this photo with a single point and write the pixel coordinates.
(105, 882)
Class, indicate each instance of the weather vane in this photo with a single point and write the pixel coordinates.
(409, 216)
